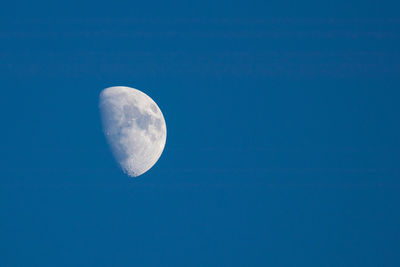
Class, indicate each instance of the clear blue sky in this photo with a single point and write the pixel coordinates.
(283, 142)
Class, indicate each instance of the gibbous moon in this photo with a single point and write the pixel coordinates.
(134, 126)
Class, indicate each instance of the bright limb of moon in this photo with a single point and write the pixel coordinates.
(134, 127)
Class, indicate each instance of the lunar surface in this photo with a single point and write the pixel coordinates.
(134, 126)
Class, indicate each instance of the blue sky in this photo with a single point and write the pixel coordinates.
(283, 134)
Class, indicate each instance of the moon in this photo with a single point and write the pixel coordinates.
(134, 127)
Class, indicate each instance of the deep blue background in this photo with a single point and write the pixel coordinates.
(283, 142)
